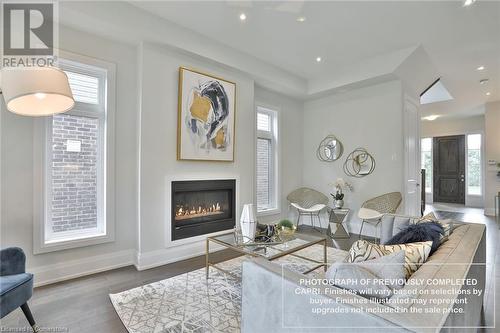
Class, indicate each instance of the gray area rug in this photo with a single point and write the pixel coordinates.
(191, 303)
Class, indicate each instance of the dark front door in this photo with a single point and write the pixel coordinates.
(449, 169)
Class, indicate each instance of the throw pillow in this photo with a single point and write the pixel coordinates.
(446, 224)
(420, 232)
(347, 276)
(389, 268)
(392, 224)
(415, 253)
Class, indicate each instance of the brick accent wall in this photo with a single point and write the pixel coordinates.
(74, 172)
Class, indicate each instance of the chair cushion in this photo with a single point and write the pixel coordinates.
(369, 214)
(9, 282)
(15, 290)
(313, 209)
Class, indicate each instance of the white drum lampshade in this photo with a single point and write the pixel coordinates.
(248, 222)
(36, 91)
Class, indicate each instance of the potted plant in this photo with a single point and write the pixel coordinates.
(338, 198)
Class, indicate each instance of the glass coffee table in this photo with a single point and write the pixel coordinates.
(270, 251)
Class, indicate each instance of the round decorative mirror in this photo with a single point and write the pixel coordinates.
(359, 163)
(330, 149)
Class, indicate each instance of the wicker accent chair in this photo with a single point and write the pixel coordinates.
(308, 202)
(374, 209)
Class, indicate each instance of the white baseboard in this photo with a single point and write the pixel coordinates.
(77, 268)
(151, 259)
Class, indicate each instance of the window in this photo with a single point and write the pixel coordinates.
(426, 160)
(267, 160)
(474, 164)
(74, 164)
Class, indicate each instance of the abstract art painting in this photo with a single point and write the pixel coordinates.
(206, 117)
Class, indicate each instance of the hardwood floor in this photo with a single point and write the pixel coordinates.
(83, 306)
(475, 215)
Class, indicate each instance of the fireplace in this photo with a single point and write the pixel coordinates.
(202, 206)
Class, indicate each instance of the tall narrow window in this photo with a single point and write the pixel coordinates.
(267, 160)
(474, 164)
(426, 160)
(75, 164)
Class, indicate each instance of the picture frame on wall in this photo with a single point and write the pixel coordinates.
(206, 117)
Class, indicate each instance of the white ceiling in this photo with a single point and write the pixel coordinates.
(458, 39)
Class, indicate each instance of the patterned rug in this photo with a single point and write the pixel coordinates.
(191, 303)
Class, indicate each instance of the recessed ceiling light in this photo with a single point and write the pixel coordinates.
(483, 81)
(318, 59)
(301, 19)
(467, 3)
(488, 93)
(480, 68)
(243, 17)
(431, 117)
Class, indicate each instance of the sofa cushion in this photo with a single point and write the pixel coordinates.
(415, 253)
(419, 232)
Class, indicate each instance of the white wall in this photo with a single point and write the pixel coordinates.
(370, 117)
(18, 163)
(452, 126)
(457, 126)
(158, 142)
(290, 116)
(492, 188)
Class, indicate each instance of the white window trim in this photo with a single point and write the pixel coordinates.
(481, 152)
(273, 112)
(432, 162)
(42, 131)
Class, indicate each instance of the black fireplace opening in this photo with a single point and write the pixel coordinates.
(201, 207)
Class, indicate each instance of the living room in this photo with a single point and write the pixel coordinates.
(203, 137)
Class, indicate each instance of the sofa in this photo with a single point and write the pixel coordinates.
(271, 303)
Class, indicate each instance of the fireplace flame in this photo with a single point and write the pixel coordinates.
(184, 212)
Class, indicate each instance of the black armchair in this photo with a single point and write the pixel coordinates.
(16, 286)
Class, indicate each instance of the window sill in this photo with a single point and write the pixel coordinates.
(76, 241)
(268, 212)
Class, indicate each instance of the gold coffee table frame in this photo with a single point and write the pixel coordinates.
(248, 250)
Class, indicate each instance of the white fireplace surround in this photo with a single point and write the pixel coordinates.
(168, 209)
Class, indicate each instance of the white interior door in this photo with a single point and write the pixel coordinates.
(412, 176)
